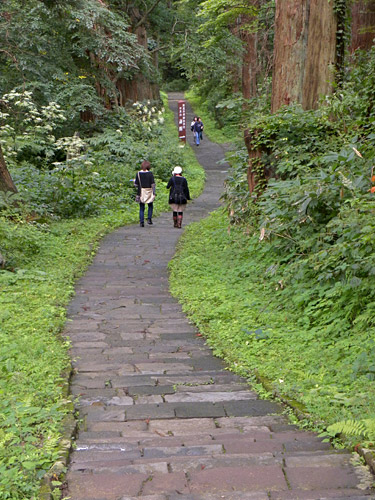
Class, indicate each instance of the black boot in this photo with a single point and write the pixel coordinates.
(142, 224)
(149, 221)
(175, 221)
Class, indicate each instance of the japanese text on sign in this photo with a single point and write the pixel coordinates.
(182, 120)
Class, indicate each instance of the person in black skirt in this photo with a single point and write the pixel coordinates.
(178, 195)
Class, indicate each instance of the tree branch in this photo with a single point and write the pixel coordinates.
(147, 13)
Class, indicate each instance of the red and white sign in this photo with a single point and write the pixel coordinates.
(182, 120)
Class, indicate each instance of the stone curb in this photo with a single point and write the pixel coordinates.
(69, 426)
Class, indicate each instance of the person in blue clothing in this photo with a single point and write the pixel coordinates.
(201, 131)
(198, 129)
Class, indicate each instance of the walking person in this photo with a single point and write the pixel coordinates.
(201, 128)
(198, 127)
(178, 195)
(145, 184)
(192, 126)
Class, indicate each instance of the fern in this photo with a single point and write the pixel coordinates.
(359, 429)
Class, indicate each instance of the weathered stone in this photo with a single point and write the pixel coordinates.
(107, 486)
(199, 410)
(212, 397)
(222, 479)
(182, 427)
(166, 483)
(150, 411)
(190, 451)
(310, 478)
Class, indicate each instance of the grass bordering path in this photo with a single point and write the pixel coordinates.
(34, 357)
(232, 295)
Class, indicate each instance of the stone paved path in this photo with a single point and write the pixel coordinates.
(161, 417)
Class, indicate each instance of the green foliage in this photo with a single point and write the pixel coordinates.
(356, 430)
(62, 51)
(307, 338)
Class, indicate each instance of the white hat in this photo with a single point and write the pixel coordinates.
(177, 170)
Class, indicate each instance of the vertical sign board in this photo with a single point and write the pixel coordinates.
(182, 120)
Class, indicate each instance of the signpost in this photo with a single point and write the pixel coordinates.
(182, 120)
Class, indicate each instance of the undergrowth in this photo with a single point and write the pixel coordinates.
(231, 285)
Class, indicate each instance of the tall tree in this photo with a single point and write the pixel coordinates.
(304, 52)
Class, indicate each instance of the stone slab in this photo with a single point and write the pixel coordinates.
(174, 482)
(198, 410)
(310, 478)
(222, 479)
(107, 486)
(148, 412)
(212, 397)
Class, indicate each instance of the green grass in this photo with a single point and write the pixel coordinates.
(231, 292)
(220, 136)
(34, 355)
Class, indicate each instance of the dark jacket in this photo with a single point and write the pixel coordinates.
(179, 184)
(147, 180)
(198, 127)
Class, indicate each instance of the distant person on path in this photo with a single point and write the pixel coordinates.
(198, 128)
(145, 184)
(192, 126)
(178, 195)
(201, 131)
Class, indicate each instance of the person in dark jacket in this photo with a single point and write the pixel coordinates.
(178, 195)
(145, 179)
(198, 129)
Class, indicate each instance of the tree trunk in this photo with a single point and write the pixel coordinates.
(139, 88)
(363, 25)
(305, 52)
(291, 33)
(249, 90)
(249, 65)
(6, 182)
(321, 60)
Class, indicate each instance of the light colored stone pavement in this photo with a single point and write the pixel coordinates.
(161, 417)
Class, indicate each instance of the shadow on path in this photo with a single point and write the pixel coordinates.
(161, 417)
